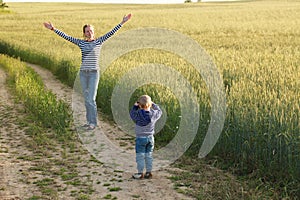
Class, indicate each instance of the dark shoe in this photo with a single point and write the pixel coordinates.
(148, 175)
(138, 176)
(85, 125)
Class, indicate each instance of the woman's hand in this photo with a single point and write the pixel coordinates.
(48, 25)
(126, 18)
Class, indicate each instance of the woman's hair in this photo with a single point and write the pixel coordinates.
(145, 101)
(86, 25)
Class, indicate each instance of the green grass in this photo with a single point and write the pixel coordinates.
(114, 189)
(255, 46)
(43, 104)
(43, 140)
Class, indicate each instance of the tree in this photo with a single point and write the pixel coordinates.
(3, 5)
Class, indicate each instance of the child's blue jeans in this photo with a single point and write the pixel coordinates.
(144, 148)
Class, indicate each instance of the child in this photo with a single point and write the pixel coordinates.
(145, 114)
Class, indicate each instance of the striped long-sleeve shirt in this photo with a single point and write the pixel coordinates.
(90, 51)
(145, 120)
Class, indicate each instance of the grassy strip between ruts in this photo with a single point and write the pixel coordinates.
(47, 126)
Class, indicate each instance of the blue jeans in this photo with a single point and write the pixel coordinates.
(89, 81)
(144, 148)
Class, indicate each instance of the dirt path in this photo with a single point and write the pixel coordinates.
(12, 169)
(103, 179)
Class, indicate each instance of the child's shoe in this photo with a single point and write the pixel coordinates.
(148, 175)
(138, 176)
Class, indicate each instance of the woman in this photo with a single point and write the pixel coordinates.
(89, 70)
